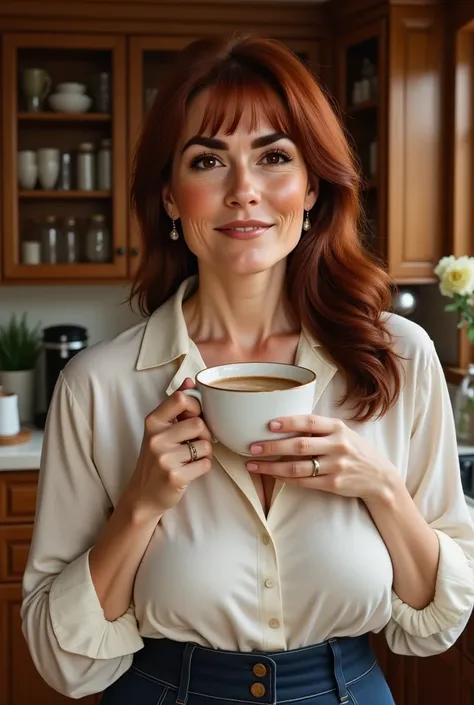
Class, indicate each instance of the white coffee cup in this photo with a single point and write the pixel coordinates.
(9, 415)
(239, 418)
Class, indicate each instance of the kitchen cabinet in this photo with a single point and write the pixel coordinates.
(20, 683)
(65, 58)
(390, 89)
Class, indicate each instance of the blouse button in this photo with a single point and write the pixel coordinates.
(274, 624)
(266, 539)
(257, 690)
(269, 583)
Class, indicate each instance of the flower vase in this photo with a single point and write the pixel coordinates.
(464, 409)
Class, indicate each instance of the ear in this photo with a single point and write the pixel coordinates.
(169, 202)
(312, 193)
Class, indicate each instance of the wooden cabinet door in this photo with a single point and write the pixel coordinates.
(467, 684)
(416, 198)
(435, 680)
(20, 683)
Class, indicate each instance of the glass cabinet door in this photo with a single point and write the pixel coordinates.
(64, 146)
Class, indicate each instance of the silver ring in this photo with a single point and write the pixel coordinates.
(316, 467)
(193, 452)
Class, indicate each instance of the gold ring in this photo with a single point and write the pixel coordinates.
(193, 451)
(316, 467)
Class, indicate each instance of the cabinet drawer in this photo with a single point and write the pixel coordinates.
(14, 546)
(17, 497)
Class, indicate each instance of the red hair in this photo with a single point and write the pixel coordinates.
(337, 291)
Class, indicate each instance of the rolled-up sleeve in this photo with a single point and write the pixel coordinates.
(75, 649)
(434, 482)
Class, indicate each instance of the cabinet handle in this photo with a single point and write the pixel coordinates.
(120, 251)
(134, 251)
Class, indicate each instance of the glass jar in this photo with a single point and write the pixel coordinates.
(65, 175)
(49, 240)
(69, 249)
(86, 167)
(98, 247)
(464, 409)
(104, 165)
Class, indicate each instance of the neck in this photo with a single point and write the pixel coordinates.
(240, 312)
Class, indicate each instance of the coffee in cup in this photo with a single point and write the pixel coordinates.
(239, 400)
(255, 384)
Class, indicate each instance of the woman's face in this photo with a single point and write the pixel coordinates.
(240, 198)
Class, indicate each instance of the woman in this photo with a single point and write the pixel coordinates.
(164, 568)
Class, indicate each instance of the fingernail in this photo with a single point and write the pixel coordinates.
(252, 466)
(274, 425)
(255, 450)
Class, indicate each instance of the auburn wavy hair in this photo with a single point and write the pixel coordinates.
(336, 289)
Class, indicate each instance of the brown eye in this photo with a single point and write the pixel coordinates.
(205, 162)
(275, 158)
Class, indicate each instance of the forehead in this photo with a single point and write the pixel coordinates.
(245, 112)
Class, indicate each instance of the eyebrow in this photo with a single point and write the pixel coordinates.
(213, 143)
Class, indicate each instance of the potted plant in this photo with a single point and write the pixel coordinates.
(20, 347)
(456, 277)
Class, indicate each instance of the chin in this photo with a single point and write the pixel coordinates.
(249, 268)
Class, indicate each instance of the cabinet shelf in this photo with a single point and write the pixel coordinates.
(64, 117)
(361, 107)
(64, 195)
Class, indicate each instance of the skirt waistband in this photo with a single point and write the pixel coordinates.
(253, 677)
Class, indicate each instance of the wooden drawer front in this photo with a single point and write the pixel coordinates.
(14, 546)
(17, 497)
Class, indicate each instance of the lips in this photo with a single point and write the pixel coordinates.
(244, 229)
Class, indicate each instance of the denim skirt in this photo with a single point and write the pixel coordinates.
(168, 672)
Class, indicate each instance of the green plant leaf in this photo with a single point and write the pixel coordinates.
(470, 334)
(20, 345)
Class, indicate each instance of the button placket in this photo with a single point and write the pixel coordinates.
(270, 597)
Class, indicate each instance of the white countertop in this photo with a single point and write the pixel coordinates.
(25, 456)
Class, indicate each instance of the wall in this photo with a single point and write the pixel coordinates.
(98, 308)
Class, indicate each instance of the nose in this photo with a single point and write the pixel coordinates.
(243, 190)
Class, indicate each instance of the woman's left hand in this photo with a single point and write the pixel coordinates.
(348, 465)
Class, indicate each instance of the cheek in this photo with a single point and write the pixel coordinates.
(287, 193)
(196, 199)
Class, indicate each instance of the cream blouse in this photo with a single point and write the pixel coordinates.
(217, 571)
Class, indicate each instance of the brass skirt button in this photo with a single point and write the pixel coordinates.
(260, 670)
(257, 690)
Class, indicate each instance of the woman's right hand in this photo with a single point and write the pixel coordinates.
(164, 468)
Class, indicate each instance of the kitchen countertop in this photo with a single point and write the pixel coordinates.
(25, 456)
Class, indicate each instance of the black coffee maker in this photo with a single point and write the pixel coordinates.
(60, 344)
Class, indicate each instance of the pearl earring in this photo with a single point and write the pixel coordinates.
(174, 234)
(306, 222)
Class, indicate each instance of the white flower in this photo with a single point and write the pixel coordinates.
(457, 276)
(442, 265)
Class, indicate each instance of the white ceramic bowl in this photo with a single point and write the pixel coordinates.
(70, 102)
(70, 87)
